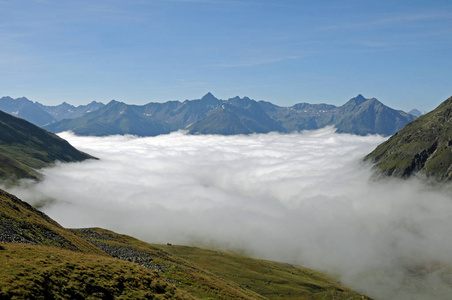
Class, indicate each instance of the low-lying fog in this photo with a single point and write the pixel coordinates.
(300, 198)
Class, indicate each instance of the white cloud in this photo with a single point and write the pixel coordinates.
(300, 198)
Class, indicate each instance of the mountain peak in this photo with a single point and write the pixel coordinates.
(208, 97)
(358, 99)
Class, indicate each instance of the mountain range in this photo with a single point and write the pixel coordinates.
(210, 115)
(423, 147)
(40, 114)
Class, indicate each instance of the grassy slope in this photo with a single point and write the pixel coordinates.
(50, 262)
(186, 275)
(423, 145)
(24, 146)
(270, 279)
(37, 272)
(227, 276)
(20, 222)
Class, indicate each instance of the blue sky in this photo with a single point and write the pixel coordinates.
(285, 51)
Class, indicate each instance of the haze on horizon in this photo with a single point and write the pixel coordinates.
(303, 198)
(285, 52)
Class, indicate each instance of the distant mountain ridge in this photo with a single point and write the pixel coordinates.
(210, 115)
(40, 114)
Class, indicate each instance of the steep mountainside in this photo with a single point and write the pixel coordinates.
(210, 115)
(24, 146)
(369, 116)
(302, 116)
(39, 259)
(422, 146)
(26, 109)
(236, 116)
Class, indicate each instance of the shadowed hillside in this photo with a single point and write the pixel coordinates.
(25, 147)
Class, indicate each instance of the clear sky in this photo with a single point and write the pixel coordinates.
(285, 51)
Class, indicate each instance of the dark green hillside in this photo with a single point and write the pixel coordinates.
(422, 146)
(24, 146)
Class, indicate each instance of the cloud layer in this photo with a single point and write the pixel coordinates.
(300, 198)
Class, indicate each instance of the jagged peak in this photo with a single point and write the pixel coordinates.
(359, 99)
(208, 96)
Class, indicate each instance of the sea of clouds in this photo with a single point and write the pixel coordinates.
(303, 198)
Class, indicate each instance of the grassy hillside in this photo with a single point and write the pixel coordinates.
(270, 279)
(21, 223)
(24, 147)
(186, 275)
(227, 276)
(38, 272)
(39, 259)
(422, 146)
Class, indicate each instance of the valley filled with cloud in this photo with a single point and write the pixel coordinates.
(304, 198)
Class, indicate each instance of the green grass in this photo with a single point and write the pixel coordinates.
(57, 263)
(27, 224)
(197, 281)
(270, 279)
(38, 272)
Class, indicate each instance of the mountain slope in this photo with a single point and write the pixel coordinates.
(114, 118)
(270, 279)
(369, 116)
(422, 146)
(301, 116)
(38, 272)
(236, 116)
(24, 146)
(22, 223)
(39, 259)
(45, 268)
(186, 275)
